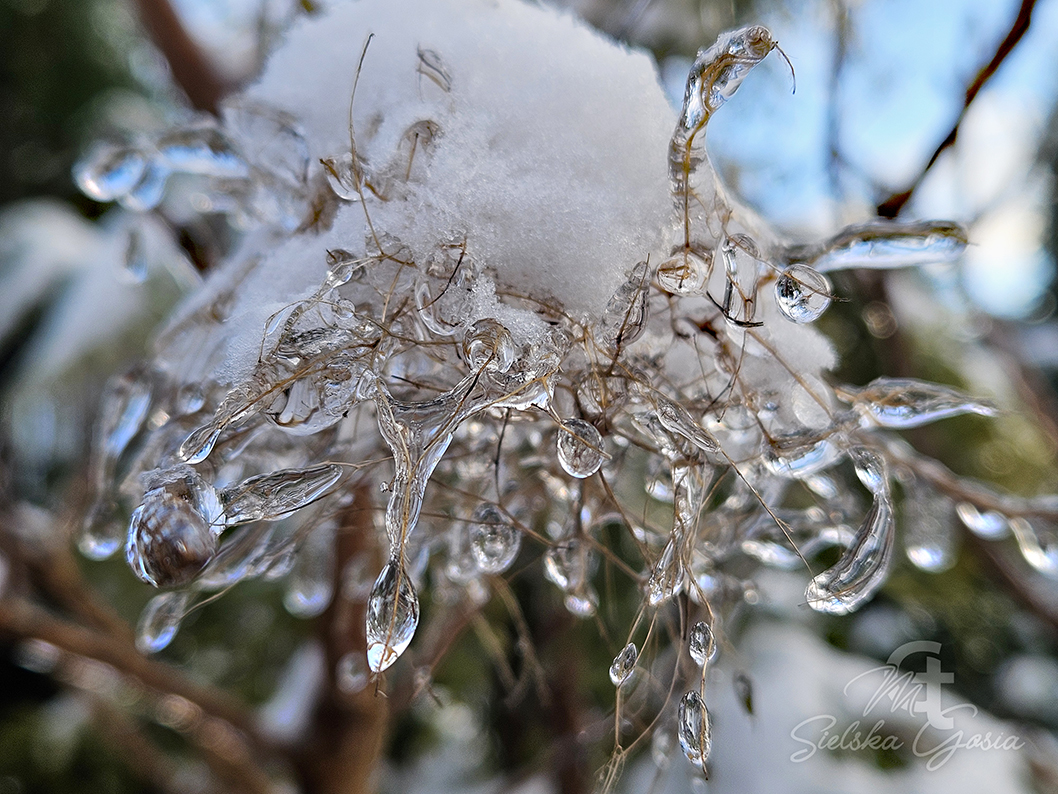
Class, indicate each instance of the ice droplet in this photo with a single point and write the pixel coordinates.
(870, 469)
(625, 316)
(990, 525)
(1041, 555)
(906, 402)
(929, 521)
(488, 345)
(311, 583)
(566, 564)
(351, 673)
(160, 620)
(392, 616)
(200, 443)
(270, 497)
(668, 573)
(861, 570)
(173, 533)
(102, 534)
(579, 448)
(494, 540)
(342, 177)
(700, 644)
(802, 294)
(624, 664)
(582, 603)
(693, 729)
(107, 171)
(683, 274)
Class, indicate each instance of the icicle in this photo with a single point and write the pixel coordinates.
(580, 451)
(905, 402)
(624, 664)
(871, 471)
(270, 497)
(494, 540)
(160, 620)
(700, 644)
(693, 729)
(885, 244)
(392, 616)
(802, 294)
(862, 568)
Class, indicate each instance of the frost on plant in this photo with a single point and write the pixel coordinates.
(491, 285)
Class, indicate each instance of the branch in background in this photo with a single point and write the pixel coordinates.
(191, 69)
(891, 207)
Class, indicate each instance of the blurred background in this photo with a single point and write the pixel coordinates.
(925, 109)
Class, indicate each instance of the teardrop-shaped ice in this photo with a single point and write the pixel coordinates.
(351, 673)
(928, 528)
(624, 664)
(494, 540)
(693, 729)
(861, 570)
(580, 450)
(990, 524)
(392, 616)
(667, 576)
(683, 274)
(566, 564)
(906, 402)
(102, 534)
(582, 603)
(870, 469)
(342, 177)
(1039, 550)
(160, 620)
(310, 586)
(676, 419)
(700, 643)
(202, 148)
(270, 497)
(107, 171)
(802, 294)
(200, 443)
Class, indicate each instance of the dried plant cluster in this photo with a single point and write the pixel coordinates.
(491, 427)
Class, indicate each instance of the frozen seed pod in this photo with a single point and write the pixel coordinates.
(579, 448)
(802, 294)
(624, 664)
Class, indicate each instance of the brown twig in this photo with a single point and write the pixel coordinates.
(22, 619)
(191, 69)
(891, 206)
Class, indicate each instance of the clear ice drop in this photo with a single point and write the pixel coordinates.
(693, 729)
(802, 294)
(160, 620)
(392, 616)
(624, 664)
(700, 644)
(579, 448)
(494, 540)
